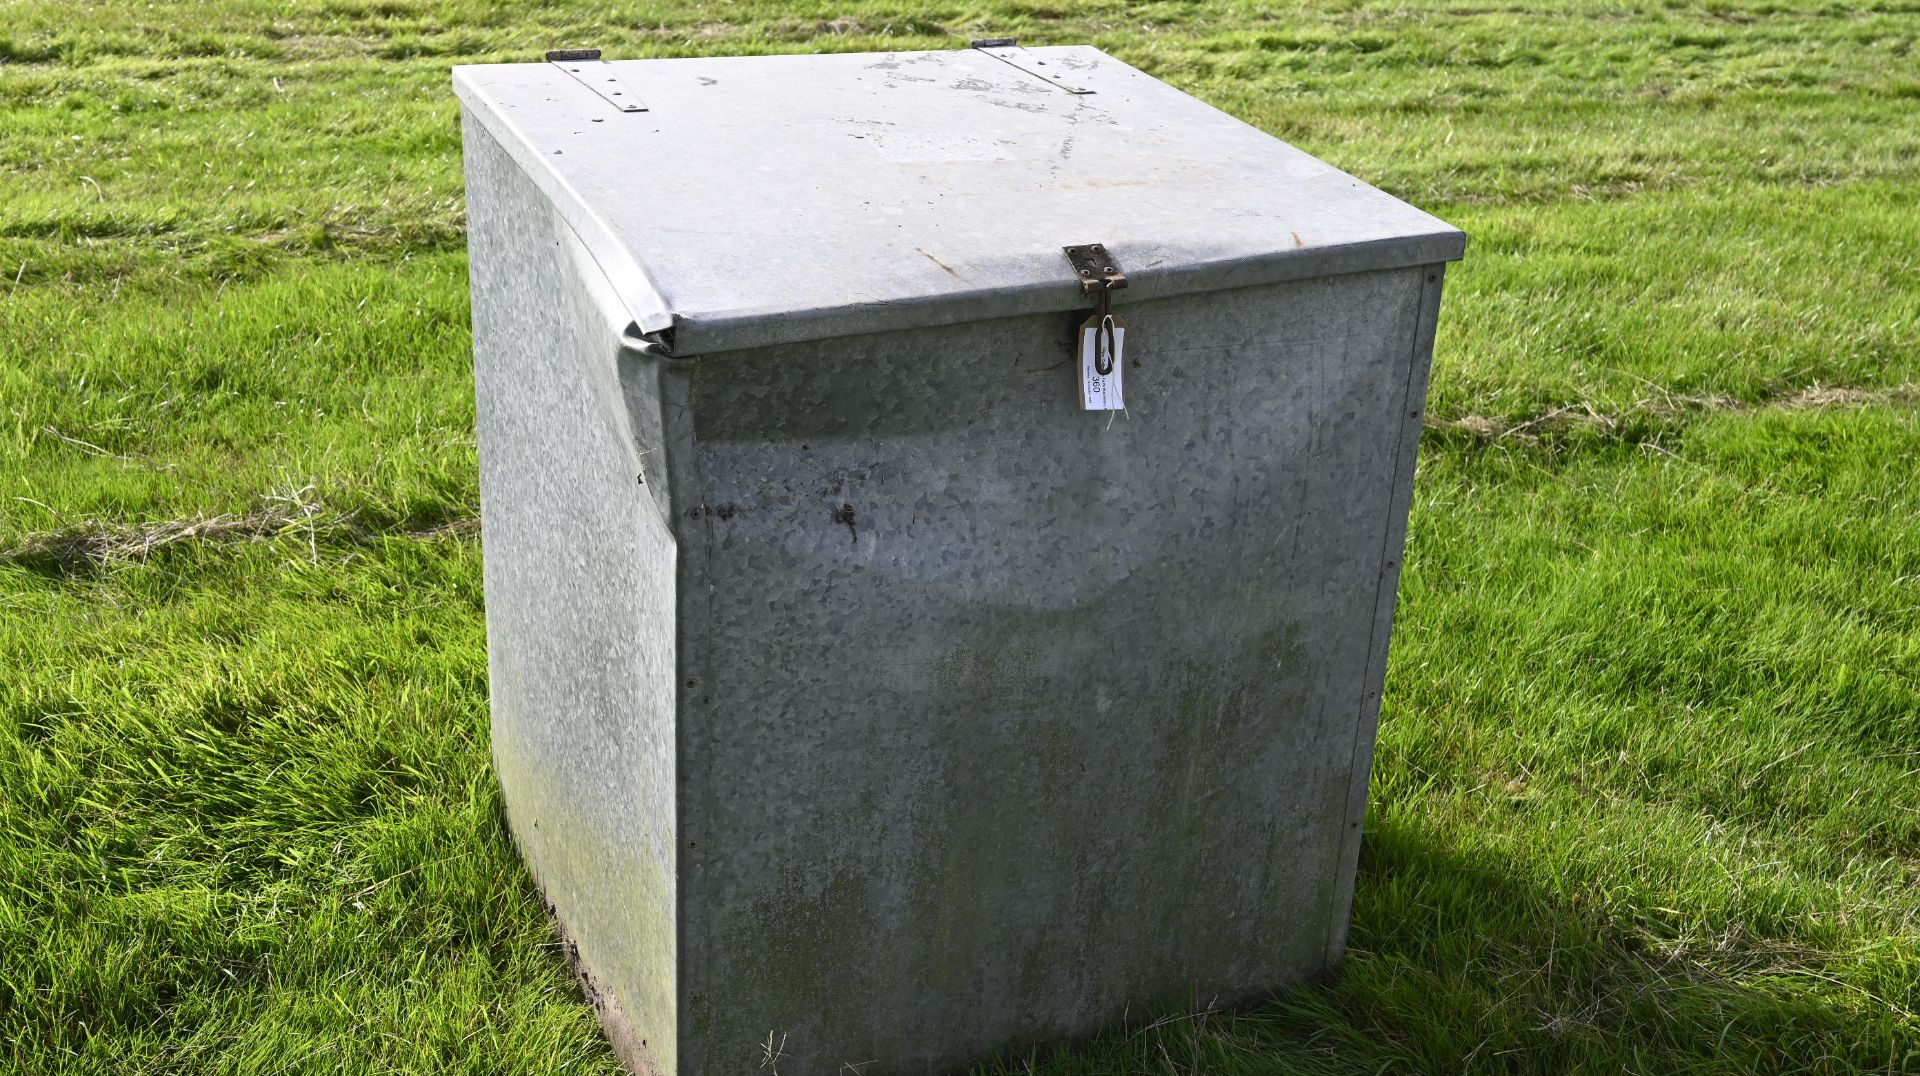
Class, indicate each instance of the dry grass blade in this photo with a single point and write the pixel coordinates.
(1667, 407)
(102, 543)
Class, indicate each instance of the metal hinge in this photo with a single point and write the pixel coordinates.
(586, 66)
(1096, 268)
(1007, 51)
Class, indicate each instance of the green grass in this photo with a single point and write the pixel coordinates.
(1647, 795)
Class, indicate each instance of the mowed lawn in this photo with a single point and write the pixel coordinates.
(1647, 796)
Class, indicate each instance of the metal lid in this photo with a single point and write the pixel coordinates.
(768, 199)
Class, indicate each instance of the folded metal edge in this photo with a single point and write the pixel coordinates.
(651, 317)
(751, 327)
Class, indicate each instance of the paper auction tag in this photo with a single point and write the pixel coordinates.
(1103, 340)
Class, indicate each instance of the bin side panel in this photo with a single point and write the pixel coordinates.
(1021, 718)
(1346, 860)
(579, 567)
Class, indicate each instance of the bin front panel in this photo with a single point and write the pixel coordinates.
(1012, 718)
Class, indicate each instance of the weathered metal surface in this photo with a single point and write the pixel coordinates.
(863, 696)
(770, 199)
(1012, 720)
(580, 586)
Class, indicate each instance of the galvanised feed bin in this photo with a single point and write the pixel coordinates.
(860, 698)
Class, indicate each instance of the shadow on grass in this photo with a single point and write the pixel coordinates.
(1458, 964)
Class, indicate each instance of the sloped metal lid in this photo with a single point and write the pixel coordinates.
(768, 199)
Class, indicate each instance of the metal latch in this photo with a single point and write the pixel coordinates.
(1102, 336)
(1096, 268)
(1008, 51)
(587, 68)
(1099, 275)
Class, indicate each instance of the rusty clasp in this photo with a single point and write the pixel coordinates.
(1096, 269)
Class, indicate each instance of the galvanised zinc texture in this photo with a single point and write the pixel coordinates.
(767, 199)
(863, 693)
(580, 571)
(1013, 718)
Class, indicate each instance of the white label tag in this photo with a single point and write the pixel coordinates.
(1101, 391)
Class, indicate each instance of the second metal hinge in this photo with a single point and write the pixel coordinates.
(586, 66)
(1007, 51)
